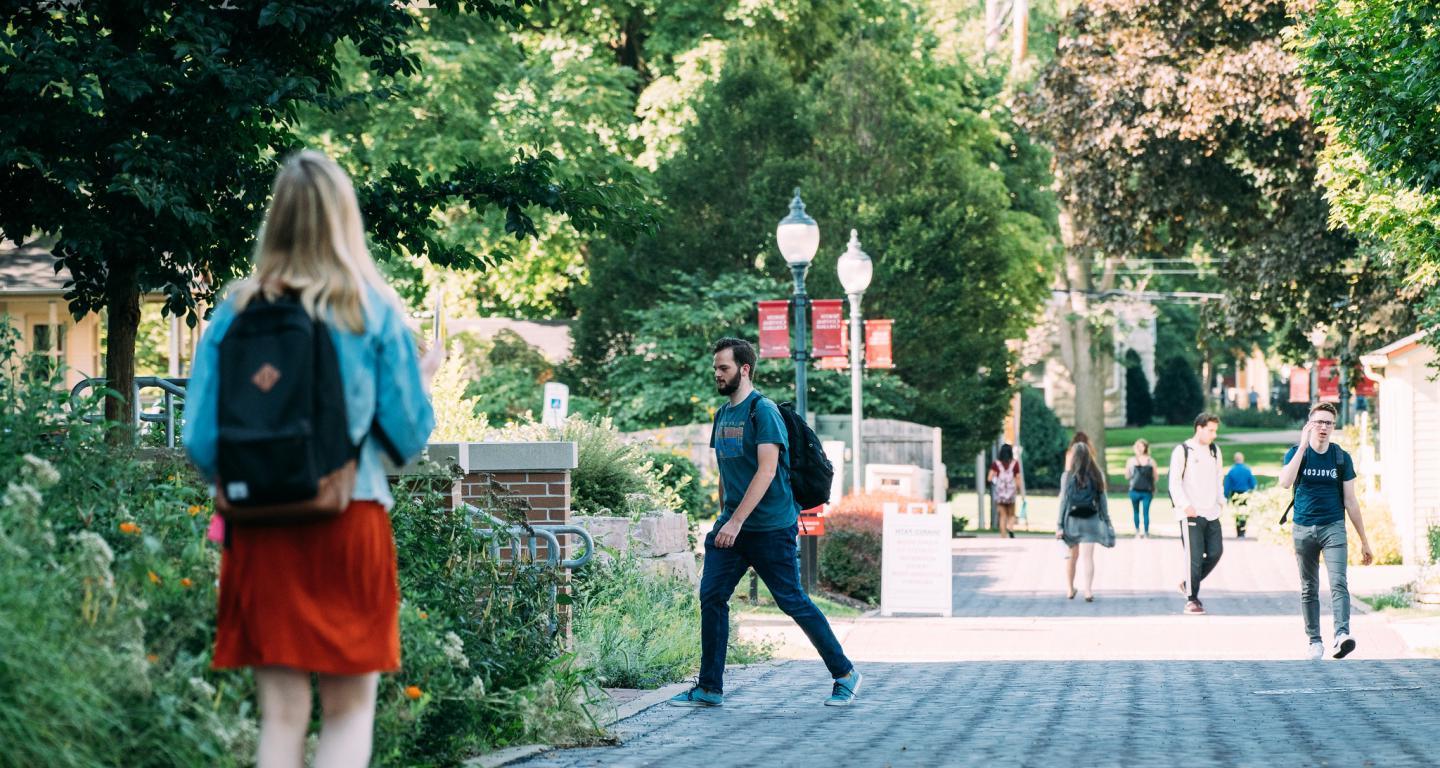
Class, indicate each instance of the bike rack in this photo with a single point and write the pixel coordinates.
(174, 390)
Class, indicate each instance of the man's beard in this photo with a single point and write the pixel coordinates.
(730, 387)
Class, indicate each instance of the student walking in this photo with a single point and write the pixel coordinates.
(1084, 517)
(1195, 491)
(756, 529)
(1007, 483)
(1239, 479)
(1323, 476)
(1140, 474)
(318, 593)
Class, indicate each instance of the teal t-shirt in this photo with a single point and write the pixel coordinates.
(735, 439)
(1318, 497)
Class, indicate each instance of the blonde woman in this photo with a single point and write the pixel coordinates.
(1084, 517)
(279, 614)
(1140, 474)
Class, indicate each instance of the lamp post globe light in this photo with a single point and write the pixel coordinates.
(798, 237)
(855, 270)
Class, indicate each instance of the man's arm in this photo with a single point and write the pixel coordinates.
(768, 457)
(1352, 507)
(1291, 470)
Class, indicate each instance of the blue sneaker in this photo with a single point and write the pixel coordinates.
(845, 690)
(697, 697)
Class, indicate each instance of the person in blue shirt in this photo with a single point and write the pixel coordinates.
(758, 523)
(1323, 476)
(1239, 479)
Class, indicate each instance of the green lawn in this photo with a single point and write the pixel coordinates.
(741, 602)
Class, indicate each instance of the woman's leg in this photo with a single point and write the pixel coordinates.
(1135, 497)
(1146, 499)
(1087, 554)
(347, 727)
(284, 716)
(1070, 570)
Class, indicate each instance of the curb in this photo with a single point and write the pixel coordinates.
(625, 711)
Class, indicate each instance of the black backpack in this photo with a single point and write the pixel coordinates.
(1082, 500)
(811, 472)
(284, 449)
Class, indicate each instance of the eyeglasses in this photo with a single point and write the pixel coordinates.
(1322, 422)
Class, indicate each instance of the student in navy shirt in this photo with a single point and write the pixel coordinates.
(1239, 479)
(1324, 494)
(756, 530)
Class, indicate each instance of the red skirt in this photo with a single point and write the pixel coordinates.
(318, 597)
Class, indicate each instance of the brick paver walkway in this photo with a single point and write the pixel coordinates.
(1023, 677)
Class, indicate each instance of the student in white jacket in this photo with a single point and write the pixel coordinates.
(1197, 491)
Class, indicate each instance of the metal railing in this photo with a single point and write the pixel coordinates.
(523, 543)
(174, 393)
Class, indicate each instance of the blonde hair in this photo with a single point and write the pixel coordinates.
(1142, 447)
(313, 242)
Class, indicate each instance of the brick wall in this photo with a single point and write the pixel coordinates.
(544, 494)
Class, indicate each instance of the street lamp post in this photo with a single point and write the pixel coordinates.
(798, 237)
(855, 270)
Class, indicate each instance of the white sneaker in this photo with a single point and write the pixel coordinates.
(1316, 652)
(1344, 644)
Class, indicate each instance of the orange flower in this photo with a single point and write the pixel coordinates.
(186, 583)
(154, 578)
(424, 615)
(194, 510)
(129, 527)
(412, 692)
(152, 658)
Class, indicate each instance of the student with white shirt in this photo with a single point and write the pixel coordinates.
(1197, 492)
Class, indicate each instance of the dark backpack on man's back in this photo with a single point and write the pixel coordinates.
(284, 445)
(811, 472)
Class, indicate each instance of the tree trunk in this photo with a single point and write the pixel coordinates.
(1091, 356)
(122, 292)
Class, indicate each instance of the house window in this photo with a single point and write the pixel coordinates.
(48, 346)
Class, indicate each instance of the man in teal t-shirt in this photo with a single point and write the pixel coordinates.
(1324, 492)
(756, 529)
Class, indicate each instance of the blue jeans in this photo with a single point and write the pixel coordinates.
(1139, 500)
(773, 555)
(1311, 543)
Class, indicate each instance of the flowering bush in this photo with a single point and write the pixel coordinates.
(850, 549)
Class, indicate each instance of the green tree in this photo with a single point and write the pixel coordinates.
(1043, 439)
(1139, 406)
(151, 131)
(1373, 67)
(1179, 396)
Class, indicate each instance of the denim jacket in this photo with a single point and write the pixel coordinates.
(381, 372)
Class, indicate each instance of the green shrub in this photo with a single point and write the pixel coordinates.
(1241, 417)
(478, 641)
(851, 547)
(679, 474)
(1179, 396)
(612, 477)
(1043, 439)
(1266, 506)
(1433, 537)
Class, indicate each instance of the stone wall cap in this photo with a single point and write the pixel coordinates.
(552, 456)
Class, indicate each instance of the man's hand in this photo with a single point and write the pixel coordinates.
(725, 537)
(1366, 556)
(1190, 512)
(1304, 439)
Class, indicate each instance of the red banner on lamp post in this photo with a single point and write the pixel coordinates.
(1299, 384)
(879, 337)
(1364, 386)
(775, 328)
(1327, 380)
(827, 319)
(841, 362)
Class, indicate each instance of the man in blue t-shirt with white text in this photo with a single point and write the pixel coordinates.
(1323, 476)
(756, 529)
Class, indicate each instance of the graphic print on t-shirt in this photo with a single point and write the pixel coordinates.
(730, 436)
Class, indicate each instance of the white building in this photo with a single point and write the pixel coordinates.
(1409, 416)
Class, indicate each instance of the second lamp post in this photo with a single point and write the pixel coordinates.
(855, 270)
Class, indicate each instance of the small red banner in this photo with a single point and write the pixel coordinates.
(826, 320)
(1364, 387)
(775, 328)
(1327, 380)
(879, 337)
(841, 362)
(812, 522)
